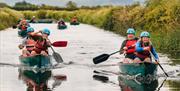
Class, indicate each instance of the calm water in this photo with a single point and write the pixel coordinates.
(84, 43)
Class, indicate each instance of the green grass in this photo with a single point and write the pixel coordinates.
(8, 17)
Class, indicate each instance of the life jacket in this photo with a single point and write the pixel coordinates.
(41, 46)
(130, 44)
(30, 45)
(74, 20)
(144, 54)
(61, 23)
(23, 28)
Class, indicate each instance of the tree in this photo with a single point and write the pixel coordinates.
(3, 5)
(71, 5)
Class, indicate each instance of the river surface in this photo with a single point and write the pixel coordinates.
(84, 43)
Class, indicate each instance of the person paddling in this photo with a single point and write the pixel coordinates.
(144, 49)
(28, 43)
(23, 25)
(128, 46)
(61, 22)
(33, 20)
(42, 44)
(74, 19)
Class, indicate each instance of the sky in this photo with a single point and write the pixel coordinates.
(78, 2)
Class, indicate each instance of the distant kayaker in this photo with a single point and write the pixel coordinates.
(41, 45)
(33, 20)
(23, 25)
(74, 19)
(61, 22)
(144, 48)
(128, 46)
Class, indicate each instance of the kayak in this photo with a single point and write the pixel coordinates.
(62, 26)
(44, 21)
(142, 69)
(132, 85)
(74, 23)
(36, 61)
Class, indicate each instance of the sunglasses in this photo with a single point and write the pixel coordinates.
(29, 46)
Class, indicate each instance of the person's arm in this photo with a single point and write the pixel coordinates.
(122, 46)
(138, 47)
(153, 51)
(48, 42)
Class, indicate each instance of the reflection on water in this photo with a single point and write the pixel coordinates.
(132, 84)
(38, 81)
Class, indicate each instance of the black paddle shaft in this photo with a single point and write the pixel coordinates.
(162, 69)
(114, 53)
(159, 64)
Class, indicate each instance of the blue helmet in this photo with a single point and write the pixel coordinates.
(30, 29)
(131, 31)
(46, 31)
(145, 34)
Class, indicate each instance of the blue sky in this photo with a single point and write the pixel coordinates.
(78, 2)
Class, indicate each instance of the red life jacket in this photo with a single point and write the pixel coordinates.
(41, 46)
(144, 54)
(30, 45)
(23, 28)
(130, 44)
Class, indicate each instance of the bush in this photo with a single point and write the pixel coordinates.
(8, 17)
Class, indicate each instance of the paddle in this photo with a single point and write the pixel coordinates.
(159, 64)
(59, 44)
(103, 57)
(56, 55)
(14, 26)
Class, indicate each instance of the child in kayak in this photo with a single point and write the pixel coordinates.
(74, 19)
(42, 44)
(28, 43)
(128, 46)
(23, 25)
(144, 49)
(35, 43)
(61, 22)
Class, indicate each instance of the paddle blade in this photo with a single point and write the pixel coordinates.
(100, 58)
(57, 57)
(60, 44)
(101, 78)
(14, 27)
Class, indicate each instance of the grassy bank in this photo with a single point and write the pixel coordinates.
(8, 17)
(98, 17)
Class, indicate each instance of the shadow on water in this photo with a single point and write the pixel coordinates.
(38, 81)
(132, 85)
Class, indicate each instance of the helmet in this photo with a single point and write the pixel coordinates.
(130, 31)
(145, 34)
(46, 31)
(30, 29)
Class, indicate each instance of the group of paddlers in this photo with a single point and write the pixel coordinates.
(137, 50)
(34, 43)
